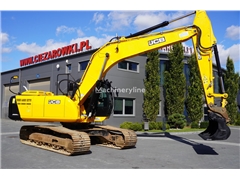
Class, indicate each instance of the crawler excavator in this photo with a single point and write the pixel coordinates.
(86, 104)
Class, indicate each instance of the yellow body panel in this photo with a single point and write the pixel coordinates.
(42, 107)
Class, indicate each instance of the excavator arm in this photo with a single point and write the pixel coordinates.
(204, 43)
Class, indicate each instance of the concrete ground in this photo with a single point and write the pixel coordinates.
(152, 151)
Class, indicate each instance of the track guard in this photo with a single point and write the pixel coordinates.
(217, 128)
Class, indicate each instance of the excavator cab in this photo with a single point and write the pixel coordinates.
(217, 128)
(100, 101)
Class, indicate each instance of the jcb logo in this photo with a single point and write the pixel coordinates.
(54, 101)
(156, 41)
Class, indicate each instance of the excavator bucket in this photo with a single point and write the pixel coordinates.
(217, 128)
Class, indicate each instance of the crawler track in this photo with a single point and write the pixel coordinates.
(71, 142)
(56, 138)
(112, 137)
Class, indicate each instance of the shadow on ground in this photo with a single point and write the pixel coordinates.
(199, 148)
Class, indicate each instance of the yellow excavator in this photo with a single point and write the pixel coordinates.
(90, 99)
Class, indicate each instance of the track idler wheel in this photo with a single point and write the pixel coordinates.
(217, 128)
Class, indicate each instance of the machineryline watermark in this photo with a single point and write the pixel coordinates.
(120, 90)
